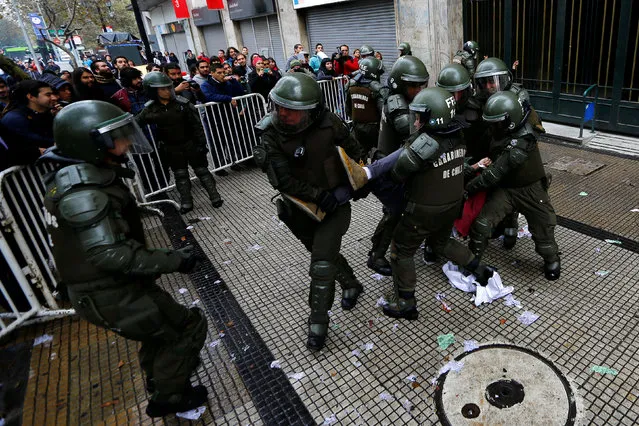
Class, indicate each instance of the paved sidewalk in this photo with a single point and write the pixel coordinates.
(374, 370)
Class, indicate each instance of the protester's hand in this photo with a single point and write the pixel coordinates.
(485, 162)
(234, 102)
(327, 202)
(42, 150)
(182, 87)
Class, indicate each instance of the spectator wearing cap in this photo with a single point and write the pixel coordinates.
(296, 66)
(52, 66)
(61, 88)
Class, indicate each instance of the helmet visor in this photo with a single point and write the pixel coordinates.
(492, 84)
(419, 120)
(290, 121)
(123, 135)
(461, 98)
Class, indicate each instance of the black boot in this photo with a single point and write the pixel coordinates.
(402, 305)
(351, 288)
(510, 238)
(316, 336)
(379, 264)
(183, 186)
(552, 270)
(193, 397)
(429, 255)
(482, 272)
(208, 182)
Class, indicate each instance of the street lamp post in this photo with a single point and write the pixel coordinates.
(26, 36)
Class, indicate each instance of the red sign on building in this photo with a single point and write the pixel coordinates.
(215, 4)
(181, 9)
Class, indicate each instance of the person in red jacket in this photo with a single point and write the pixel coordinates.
(343, 63)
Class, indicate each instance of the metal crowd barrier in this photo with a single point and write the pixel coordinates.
(28, 273)
(334, 96)
(230, 136)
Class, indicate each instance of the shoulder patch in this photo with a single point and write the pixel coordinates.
(181, 99)
(149, 103)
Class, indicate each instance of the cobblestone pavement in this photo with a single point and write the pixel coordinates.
(255, 286)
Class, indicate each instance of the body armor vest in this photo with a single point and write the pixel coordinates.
(169, 121)
(441, 181)
(364, 105)
(320, 165)
(71, 258)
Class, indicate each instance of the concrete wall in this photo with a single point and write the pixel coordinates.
(434, 29)
(231, 29)
(292, 26)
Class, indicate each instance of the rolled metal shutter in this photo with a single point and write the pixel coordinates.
(263, 33)
(181, 47)
(214, 38)
(355, 23)
(276, 40)
(248, 36)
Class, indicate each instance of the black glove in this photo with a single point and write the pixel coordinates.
(327, 202)
(189, 260)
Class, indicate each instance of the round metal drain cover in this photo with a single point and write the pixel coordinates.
(505, 384)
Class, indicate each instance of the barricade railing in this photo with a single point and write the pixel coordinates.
(230, 136)
(334, 96)
(29, 276)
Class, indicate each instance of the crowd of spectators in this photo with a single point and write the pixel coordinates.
(28, 106)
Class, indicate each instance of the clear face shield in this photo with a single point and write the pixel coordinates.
(413, 88)
(122, 135)
(164, 92)
(419, 117)
(290, 121)
(490, 85)
(461, 98)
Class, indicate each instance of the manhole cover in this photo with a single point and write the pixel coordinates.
(504, 384)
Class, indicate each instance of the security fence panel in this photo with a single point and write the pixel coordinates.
(29, 276)
(334, 96)
(230, 138)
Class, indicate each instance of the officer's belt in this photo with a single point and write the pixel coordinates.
(412, 207)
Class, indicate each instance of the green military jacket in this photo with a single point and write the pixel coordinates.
(319, 168)
(95, 228)
(176, 123)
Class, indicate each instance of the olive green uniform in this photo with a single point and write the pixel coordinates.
(181, 142)
(517, 182)
(466, 59)
(99, 247)
(435, 195)
(306, 177)
(365, 101)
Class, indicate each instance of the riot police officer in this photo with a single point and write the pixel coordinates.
(455, 79)
(517, 180)
(298, 153)
(468, 56)
(492, 75)
(404, 49)
(365, 101)
(366, 51)
(181, 137)
(431, 165)
(100, 251)
(407, 78)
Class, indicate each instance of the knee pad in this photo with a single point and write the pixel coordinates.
(201, 171)
(481, 228)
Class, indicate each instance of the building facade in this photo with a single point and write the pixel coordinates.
(562, 47)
